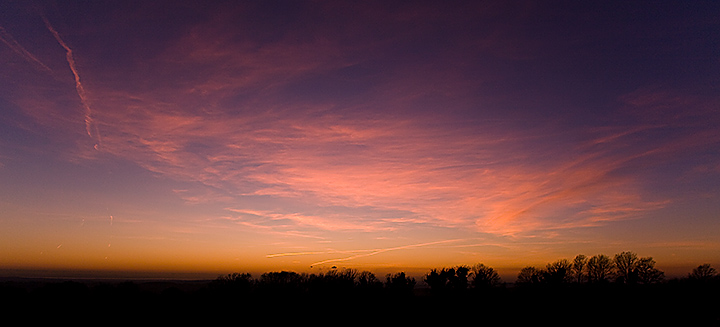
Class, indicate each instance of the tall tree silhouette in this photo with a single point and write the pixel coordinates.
(484, 277)
(625, 265)
(399, 283)
(645, 271)
(599, 268)
(558, 272)
(579, 266)
(448, 279)
(631, 270)
(366, 280)
(437, 280)
(460, 281)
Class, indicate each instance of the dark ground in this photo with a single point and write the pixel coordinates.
(121, 302)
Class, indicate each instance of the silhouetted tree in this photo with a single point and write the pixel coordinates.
(459, 281)
(437, 279)
(558, 272)
(235, 278)
(625, 265)
(448, 279)
(234, 282)
(599, 268)
(630, 269)
(484, 277)
(283, 281)
(703, 273)
(232, 287)
(398, 283)
(645, 271)
(579, 266)
(367, 284)
(335, 281)
(367, 280)
(529, 276)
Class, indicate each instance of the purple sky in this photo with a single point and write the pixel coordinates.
(210, 137)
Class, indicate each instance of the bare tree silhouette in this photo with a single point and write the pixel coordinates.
(398, 283)
(437, 279)
(529, 276)
(235, 282)
(629, 269)
(625, 265)
(333, 282)
(558, 272)
(484, 277)
(455, 279)
(599, 268)
(367, 281)
(579, 266)
(703, 273)
(287, 282)
(645, 271)
(345, 291)
(460, 281)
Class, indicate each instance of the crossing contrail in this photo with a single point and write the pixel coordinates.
(90, 128)
(19, 49)
(366, 253)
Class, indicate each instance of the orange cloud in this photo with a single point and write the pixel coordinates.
(216, 112)
(454, 179)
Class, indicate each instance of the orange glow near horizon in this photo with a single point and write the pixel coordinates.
(380, 137)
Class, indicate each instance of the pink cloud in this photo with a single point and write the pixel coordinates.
(380, 152)
(454, 179)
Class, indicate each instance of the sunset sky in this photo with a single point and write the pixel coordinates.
(210, 137)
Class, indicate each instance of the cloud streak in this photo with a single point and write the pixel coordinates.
(458, 179)
(362, 254)
(90, 127)
(317, 123)
(253, 120)
(8, 39)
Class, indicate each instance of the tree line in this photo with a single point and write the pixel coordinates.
(333, 282)
(625, 268)
(622, 268)
(563, 288)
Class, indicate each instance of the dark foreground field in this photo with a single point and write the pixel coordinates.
(214, 303)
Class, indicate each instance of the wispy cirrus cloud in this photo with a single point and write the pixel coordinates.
(500, 182)
(370, 133)
(246, 116)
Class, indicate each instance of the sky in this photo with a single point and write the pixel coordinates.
(181, 138)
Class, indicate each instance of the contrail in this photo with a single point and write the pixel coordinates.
(378, 251)
(300, 253)
(89, 126)
(370, 252)
(15, 46)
